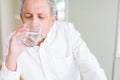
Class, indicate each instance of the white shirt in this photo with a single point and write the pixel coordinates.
(62, 56)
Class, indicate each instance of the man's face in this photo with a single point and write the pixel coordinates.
(38, 12)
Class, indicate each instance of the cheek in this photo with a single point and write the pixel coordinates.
(24, 20)
(46, 25)
(46, 29)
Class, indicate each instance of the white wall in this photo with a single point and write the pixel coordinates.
(0, 35)
(117, 57)
(8, 13)
(9, 10)
(117, 69)
(96, 20)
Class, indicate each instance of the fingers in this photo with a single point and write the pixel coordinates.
(20, 32)
(23, 28)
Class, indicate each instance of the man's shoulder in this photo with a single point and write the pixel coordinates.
(66, 28)
(64, 25)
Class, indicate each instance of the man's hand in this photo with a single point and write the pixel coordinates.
(16, 47)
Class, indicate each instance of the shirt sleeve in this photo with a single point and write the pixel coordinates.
(9, 75)
(5, 73)
(87, 62)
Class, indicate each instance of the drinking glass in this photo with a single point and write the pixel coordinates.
(32, 37)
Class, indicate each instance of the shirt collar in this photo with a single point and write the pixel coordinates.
(51, 34)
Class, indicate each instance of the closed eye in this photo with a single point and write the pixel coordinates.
(41, 17)
(27, 15)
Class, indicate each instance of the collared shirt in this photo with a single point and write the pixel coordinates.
(62, 56)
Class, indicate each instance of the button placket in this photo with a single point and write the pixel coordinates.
(45, 64)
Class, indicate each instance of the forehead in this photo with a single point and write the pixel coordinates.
(36, 5)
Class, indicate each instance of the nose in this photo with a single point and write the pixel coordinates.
(35, 24)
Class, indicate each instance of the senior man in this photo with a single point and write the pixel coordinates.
(60, 53)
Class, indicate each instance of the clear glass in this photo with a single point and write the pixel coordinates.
(32, 37)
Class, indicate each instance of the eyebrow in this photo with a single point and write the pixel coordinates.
(27, 13)
(31, 13)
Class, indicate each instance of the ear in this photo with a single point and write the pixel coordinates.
(54, 18)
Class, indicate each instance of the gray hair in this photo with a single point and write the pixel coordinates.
(51, 4)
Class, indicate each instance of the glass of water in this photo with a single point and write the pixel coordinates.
(32, 38)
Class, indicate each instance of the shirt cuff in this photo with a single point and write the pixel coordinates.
(9, 75)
